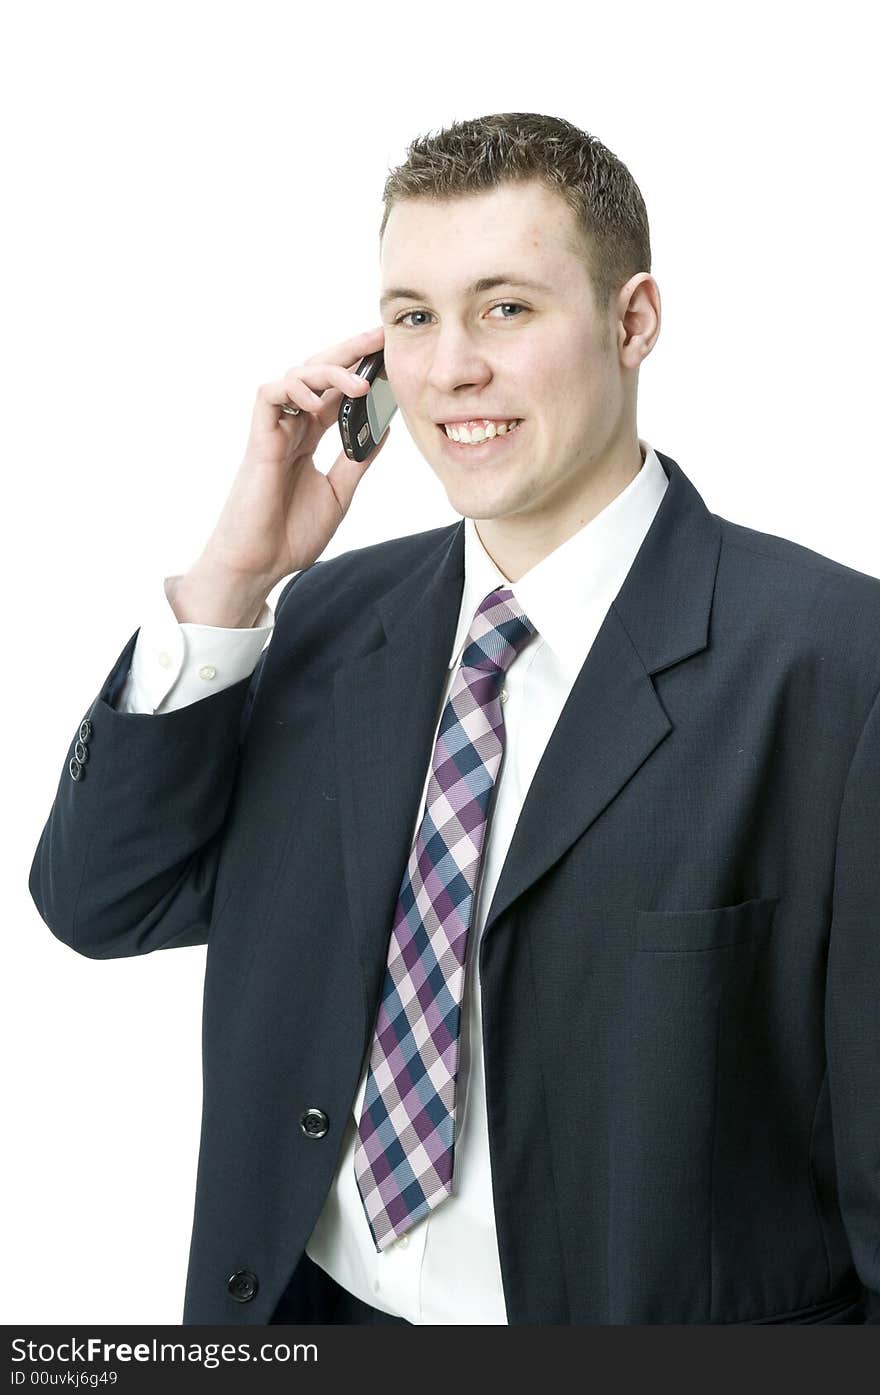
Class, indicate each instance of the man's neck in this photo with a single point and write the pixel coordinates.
(520, 542)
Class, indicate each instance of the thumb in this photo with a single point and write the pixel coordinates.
(345, 475)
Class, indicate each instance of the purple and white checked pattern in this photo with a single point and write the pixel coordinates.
(406, 1135)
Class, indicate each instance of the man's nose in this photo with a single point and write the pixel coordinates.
(456, 362)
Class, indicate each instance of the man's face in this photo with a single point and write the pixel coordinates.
(537, 353)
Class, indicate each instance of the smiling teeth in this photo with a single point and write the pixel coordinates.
(481, 433)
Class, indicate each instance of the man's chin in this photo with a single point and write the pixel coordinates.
(482, 495)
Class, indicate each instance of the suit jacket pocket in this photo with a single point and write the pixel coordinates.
(690, 1062)
(684, 932)
(849, 1309)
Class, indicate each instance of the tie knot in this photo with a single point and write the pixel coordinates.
(500, 629)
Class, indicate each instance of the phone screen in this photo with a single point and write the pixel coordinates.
(381, 404)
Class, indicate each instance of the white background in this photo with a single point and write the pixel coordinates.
(192, 199)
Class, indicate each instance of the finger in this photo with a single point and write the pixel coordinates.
(330, 403)
(271, 397)
(328, 414)
(348, 351)
(326, 375)
(303, 387)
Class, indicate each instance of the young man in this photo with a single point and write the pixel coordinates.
(536, 855)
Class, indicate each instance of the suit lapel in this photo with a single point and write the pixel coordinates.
(387, 706)
(614, 719)
(387, 703)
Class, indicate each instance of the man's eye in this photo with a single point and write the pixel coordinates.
(502, 305)
(508, 305)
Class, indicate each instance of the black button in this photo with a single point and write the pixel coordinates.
(243, 1284)
(81, 751)
(85, 730)
(75, 769)
(314, 1123)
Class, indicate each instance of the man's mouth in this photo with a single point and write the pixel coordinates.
(480, 435)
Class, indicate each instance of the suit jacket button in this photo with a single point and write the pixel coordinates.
(85, 730)
(243, 1284)
(75, 769)
(81, 751)
(314, 1123)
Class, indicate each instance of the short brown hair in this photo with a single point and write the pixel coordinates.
(485, 151)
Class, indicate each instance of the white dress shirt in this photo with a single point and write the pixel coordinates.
(446, 1269)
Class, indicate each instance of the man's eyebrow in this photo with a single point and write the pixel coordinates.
(485, 283)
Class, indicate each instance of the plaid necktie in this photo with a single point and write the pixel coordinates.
(406, 1135)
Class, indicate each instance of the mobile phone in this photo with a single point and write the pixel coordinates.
(363, 421)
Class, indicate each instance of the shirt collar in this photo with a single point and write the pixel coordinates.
(567, 594)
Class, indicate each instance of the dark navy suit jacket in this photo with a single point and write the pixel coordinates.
(680, 967)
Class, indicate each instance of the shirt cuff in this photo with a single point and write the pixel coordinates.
(175, 663)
